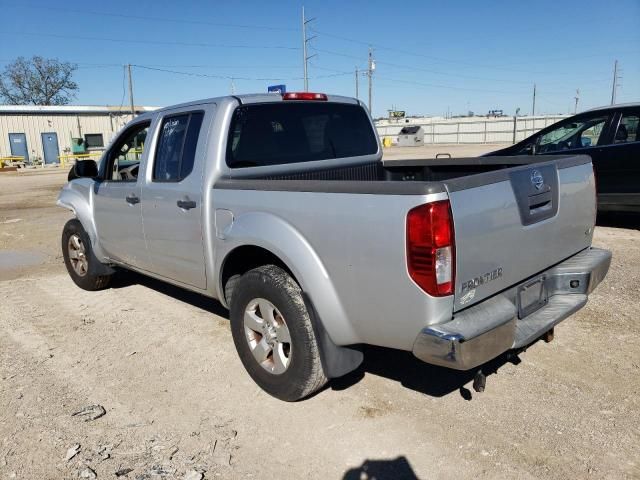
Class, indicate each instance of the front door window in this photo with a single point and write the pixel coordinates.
(125, 155)
(571, 135)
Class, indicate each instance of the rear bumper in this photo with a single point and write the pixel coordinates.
(484, 331)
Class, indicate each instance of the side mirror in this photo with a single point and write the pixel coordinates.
(85, 169)
(530, 149)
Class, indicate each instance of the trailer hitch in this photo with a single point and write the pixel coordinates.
(479, 381)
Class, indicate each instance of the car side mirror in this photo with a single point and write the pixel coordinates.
(530, 149)
(85, 169)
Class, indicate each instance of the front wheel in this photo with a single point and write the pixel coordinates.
(273, 334)
(79, 258)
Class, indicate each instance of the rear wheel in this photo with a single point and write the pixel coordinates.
(273, 334)
(79, 258)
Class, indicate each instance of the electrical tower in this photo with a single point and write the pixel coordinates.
(305, 42)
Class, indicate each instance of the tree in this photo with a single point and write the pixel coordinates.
(38, 81)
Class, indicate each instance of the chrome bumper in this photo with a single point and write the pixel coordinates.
(484, 331)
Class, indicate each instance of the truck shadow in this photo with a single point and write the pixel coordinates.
(619, 220)
(396, 365)
(396, 469)
(125, 279)
(416, 375)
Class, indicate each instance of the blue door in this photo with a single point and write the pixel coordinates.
(50, 147)
(18, 144)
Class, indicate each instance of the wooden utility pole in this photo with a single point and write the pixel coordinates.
(615, 82)
(533, 107)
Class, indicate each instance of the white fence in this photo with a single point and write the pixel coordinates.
(470, 129)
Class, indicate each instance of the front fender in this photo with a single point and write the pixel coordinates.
(279, 237)
(77, 196)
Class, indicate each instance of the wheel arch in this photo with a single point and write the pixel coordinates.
(75, 196)
(261, 238)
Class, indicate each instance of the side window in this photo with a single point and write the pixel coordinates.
(124, 156)
(570, 135)
(627, 128)
(93, 140)
(177, 147)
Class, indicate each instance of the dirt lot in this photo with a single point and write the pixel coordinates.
(178, 402)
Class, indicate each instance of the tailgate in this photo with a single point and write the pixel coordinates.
(513, 223)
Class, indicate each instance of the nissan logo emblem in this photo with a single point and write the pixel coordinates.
(537, 180)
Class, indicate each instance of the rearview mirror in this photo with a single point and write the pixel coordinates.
(85, 169)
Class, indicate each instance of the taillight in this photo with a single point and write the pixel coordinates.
(304, 96)
(431, 248)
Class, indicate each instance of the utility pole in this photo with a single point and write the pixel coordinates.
(133, 109)
(357, 86)
(577, 99)
(233, 87)
(370, 69)
(615, 82)
(305, 41)
(533, 107)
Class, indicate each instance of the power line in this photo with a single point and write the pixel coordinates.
(234, 77)
(156, 19)
(133, 109)
(152, 42)
(431, 85)
(436, 72)
(124, 76)
(378, 46)
(204, 75)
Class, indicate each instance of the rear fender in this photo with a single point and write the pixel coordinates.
(274, 234)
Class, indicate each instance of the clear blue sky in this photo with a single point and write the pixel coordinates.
(431, 56)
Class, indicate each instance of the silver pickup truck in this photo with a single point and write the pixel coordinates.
(281, 208)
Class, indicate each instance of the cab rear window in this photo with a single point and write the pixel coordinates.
(282, 133)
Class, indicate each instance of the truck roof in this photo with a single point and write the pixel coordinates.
(250, 98)
(614, 106)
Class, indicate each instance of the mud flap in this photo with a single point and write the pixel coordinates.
(336, 361)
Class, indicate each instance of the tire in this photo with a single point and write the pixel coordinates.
(79, 258)
(269, 287)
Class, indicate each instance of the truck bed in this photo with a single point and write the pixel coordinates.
(506, 229)
(394, 177)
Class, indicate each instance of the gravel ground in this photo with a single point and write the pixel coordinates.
(178, 403)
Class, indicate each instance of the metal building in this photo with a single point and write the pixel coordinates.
(43, 134)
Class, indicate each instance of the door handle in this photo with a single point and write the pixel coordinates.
(132, 199)
(186, 204)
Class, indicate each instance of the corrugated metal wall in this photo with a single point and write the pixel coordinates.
(65, 125)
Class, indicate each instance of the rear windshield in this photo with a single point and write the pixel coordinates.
(287, 132)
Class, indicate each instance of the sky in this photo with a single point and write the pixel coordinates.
(431, 57)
